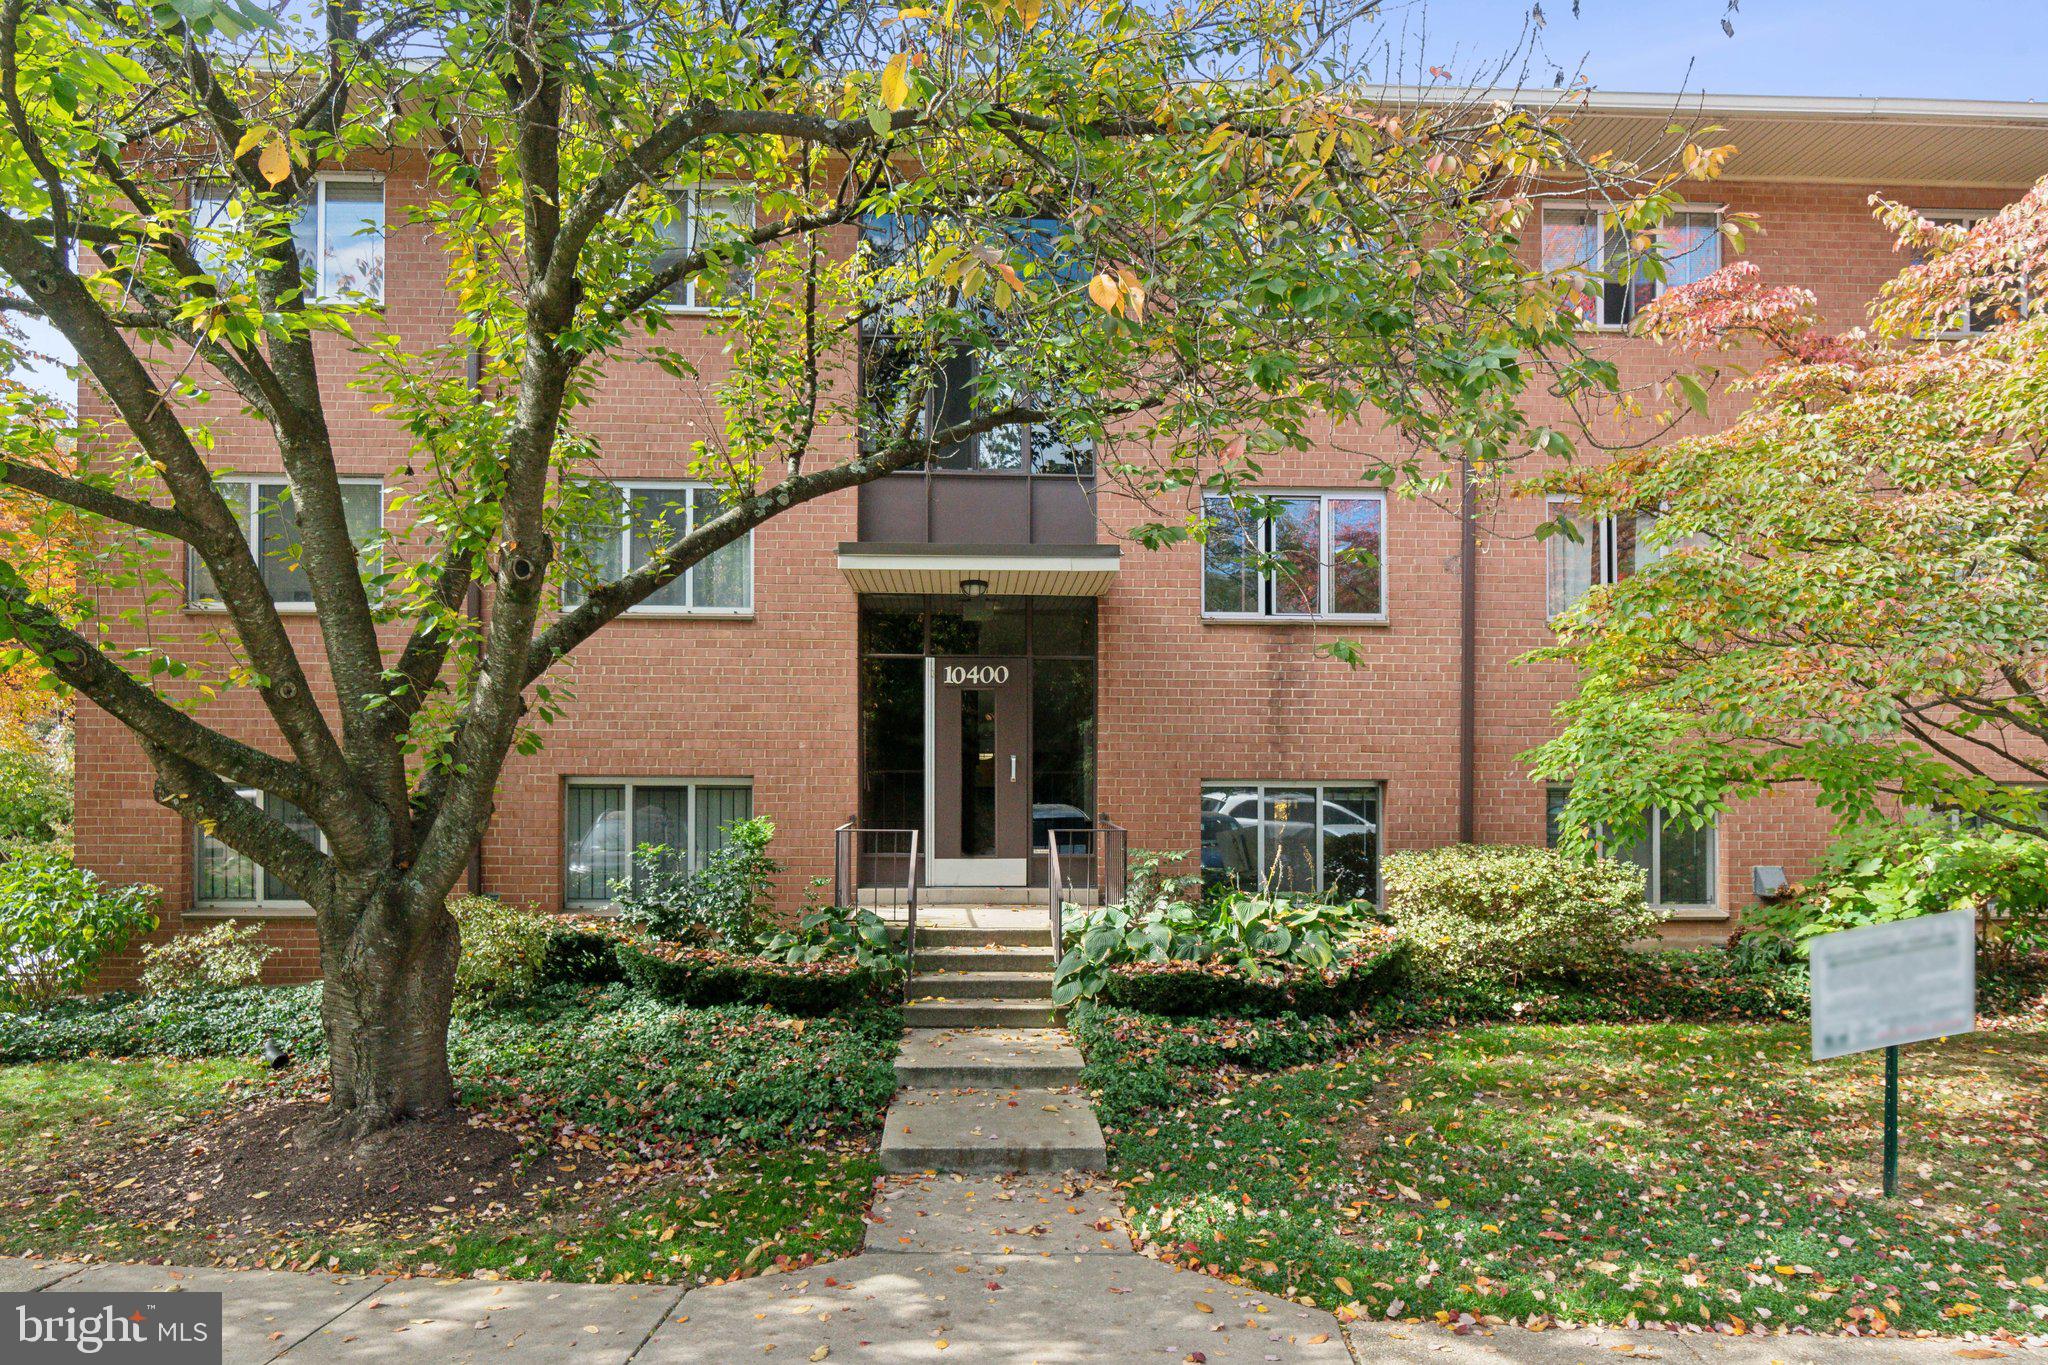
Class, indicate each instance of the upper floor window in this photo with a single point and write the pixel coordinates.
(608, 821)
(897, 364)
(644, 518)
(224, 879)
(339, 233)
(1315, 555)
(704, 214)
(1688, 244)
(263, 507)
(1678, 860)
(1595, 550)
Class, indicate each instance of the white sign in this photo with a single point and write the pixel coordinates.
(1887, 984)
(976, 675)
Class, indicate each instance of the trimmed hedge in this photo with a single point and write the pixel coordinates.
(711, 976)
(1639, 988)
(580, 952)
(1222, 987)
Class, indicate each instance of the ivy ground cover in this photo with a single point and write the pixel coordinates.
(608, 1137)
(1640, 1175)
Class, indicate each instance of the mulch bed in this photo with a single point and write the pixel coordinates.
(245, 1168)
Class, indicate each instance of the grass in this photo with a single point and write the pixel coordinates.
(1639, 1174)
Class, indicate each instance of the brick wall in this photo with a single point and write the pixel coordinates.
(1182, 700)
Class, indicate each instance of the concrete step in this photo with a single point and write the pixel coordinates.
(1037, 958)
(973, 936)
(936, 1059)
(984, 1013)
(989, 1131)
(981, 985)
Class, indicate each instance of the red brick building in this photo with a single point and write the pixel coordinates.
(973, 651)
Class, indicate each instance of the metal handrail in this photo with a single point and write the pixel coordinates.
(910, 923)
(1055, 891)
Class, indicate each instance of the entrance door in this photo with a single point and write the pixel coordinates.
(980, 771)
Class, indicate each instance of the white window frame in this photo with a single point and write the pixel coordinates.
(688, 194)
(1320, 788)
(317, 206)
(1326, 563)
(1961, 218)
(1653, 877)
(630, 785)
(1606, 535)
(253, 535)
(1602, 213)
(261, 905)
(625, 488)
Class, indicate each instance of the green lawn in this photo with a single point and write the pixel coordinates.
(1618, 1173)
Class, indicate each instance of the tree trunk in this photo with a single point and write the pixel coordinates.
(388, 991)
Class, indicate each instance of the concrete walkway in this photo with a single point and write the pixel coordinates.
(1010, 1271)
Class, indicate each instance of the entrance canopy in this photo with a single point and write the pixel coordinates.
(1008, 570)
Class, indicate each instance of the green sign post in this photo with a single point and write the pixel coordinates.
(1886, 985)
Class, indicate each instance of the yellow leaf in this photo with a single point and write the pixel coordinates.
(1343, 1285)
(1102, 289)
(250, 137)
(274, 162)
(821, 1353)
(1029, 10)
(896, 82)
(1201, 1307)
(942, 1343)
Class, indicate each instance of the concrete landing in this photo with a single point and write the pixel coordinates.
(1032, 1215)
(982, 1058)
(992, 1131)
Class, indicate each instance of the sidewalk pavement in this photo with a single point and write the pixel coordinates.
(956, 1269)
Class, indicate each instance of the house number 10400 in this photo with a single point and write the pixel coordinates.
(976, 675)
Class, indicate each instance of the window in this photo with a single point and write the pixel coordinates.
(648, 517)
(1974, 316)
(893, 369)
(706, 214)
(225, 879)
(1600, 550)
(1315, 555)
(607, 822)
(264, 508)
(1292, 838)
(1678, 861)
(339, 233)
(1577, 239)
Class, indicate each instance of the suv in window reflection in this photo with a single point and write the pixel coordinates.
(1231, 827)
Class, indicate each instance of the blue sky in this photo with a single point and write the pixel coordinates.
(1930, 49)
(1934, 49)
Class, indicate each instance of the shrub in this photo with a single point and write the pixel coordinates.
(1702, 986)
(35, 796)
(1511, 911)
(1258, 933)
(580, 952)
(837, 931)
(222, 957)
(504, 948)
(722, 904)
(1881, 873)
(232, 1023)
(1255, 989)
(58, 922)
(712, 976)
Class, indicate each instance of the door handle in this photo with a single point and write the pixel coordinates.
(1013, 767)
